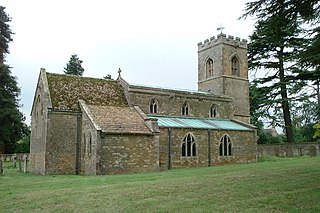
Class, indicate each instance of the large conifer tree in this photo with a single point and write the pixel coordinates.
(11, 119)
(275, 48)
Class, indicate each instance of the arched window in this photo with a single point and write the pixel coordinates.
(213, 111)
(185, 109)
(188, 147)
(153, 107)
(90, 145)
(84, 143)
(209, 67)
(225, 146)
(235, 66)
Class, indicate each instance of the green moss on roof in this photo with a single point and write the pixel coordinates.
(66, 90)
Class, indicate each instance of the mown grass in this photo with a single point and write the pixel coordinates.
(271, 185)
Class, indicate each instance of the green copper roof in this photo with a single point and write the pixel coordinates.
(174, 89)
(199, 123)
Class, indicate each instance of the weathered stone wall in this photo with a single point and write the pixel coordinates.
(128, 153)
(39, 115)
(61, 143)
(221, 50)
(243, 148)
(283, 150)
(90, 146)
(170, 104)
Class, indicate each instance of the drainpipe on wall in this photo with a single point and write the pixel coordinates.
(169, 148)
(78, 165)
(209, 147)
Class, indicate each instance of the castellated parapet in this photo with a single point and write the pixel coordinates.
(222, 38)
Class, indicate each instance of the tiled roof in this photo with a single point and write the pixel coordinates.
(66, 90)
(199, 123)
(118, 119)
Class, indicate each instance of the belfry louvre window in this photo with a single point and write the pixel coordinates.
(209, 67)
(153, 107)
(225, 146)
(213, 111)
(188, 147)
(185, 109)
(235, 66)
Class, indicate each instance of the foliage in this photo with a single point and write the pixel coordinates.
(5, 33)
(23, 145)
(108, 76)
(12, 127)
(276, 47)
(272, 185)
(317, 131)
(74, 66)
(304, 133)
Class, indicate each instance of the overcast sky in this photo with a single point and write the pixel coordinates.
(153, 42)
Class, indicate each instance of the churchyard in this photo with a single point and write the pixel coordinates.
(271, 185)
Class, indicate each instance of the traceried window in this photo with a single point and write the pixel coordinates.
(153, 107)
(188, 148)
(235, 66)
(209, 67)
(213, 111)
(185, 109)
(225, 146)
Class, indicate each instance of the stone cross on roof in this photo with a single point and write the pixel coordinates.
(220, 28)
(119, 71)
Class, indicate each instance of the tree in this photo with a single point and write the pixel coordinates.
(11, 119)
(275, 47)
(74, 66)
(317, 131)
(107, 77)
(5, 33)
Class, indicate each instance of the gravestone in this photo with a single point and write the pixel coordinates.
(313, 151)
(14, 161)
(19, 160)
(25, 165)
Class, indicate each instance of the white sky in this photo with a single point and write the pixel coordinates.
(153, 42)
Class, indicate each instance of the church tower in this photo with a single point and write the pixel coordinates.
(223, 70)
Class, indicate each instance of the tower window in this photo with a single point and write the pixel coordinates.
(185, 109)
(235, 66)
(213, 111)
(225, 146)
(188, 147)
(209, 67)
(153, 107)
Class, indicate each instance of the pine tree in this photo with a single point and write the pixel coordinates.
(74, 66)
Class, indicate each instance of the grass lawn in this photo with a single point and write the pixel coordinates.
(271, 185)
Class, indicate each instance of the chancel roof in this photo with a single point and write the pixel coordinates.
(66, 90)
(118, 119)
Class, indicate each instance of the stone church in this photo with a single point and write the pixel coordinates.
(93, 126)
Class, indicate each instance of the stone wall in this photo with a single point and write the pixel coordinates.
(39, 116)
(284, 150)
(90, 146)
(243, 148)
(128, 153)
(170, 104)
(61, 143)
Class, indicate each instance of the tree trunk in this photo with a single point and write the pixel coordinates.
(284, 99)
